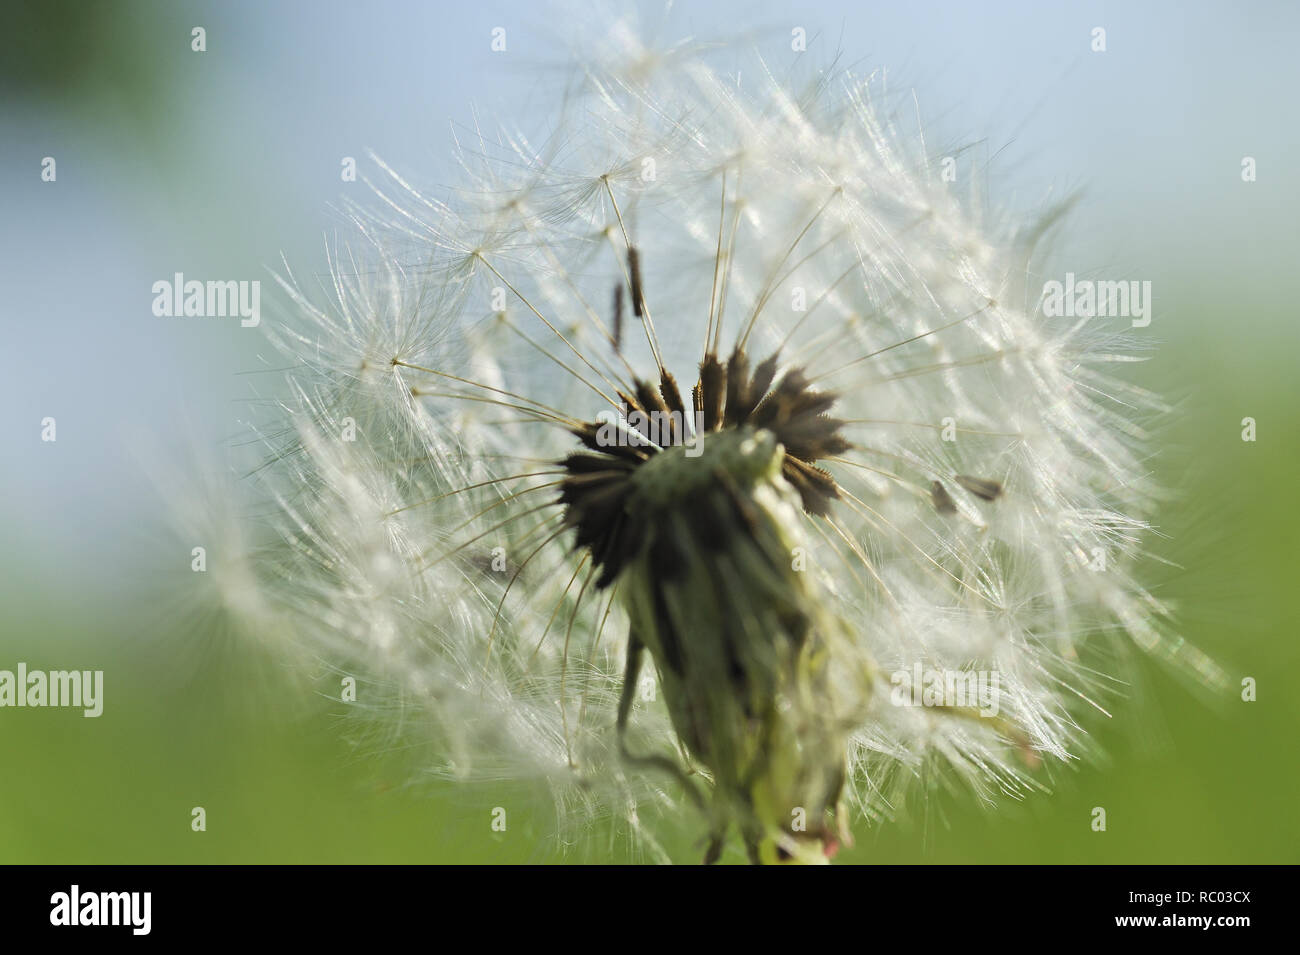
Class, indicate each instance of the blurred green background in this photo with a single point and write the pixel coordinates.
(214, 163)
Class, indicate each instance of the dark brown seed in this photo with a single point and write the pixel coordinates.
(634, 272)
(618, 318)
(671, 394)
(713, 385)
(943, 502)
(981, 487)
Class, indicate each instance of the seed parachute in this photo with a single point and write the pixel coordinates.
(687, 607)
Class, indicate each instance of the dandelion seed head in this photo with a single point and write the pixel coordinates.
(446, 521)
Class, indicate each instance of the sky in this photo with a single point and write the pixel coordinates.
(226, 164)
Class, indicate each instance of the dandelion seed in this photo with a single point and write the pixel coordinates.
(534, 512)
(943, 502)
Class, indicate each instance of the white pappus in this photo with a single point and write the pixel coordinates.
(660, 461)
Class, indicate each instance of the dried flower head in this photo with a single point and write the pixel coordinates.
(710, 451)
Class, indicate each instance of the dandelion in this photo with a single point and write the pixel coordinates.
(659, 461)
